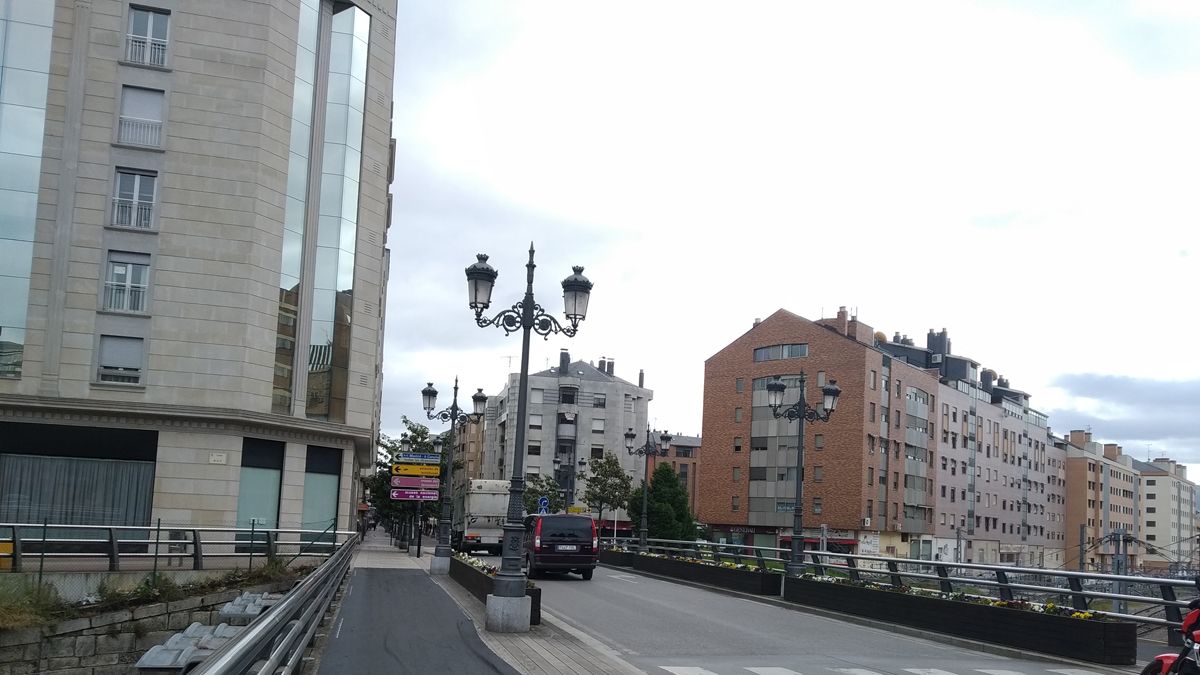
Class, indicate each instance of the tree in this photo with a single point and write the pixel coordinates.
(608, 485)
(543, 486)
(667, 513)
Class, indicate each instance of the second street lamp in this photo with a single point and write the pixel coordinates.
(800, 411)
(648, 450)
(455, 417)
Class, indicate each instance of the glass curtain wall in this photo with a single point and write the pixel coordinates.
(337, 224)
(307, 41)
(25, 30)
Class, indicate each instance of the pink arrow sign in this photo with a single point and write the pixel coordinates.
(416, 495)
(415, 483)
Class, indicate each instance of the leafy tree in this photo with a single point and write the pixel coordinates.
(543, 486)
(667, 513)
(608, 485)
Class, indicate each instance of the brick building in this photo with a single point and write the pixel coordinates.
(1102, 501)
(685, 458)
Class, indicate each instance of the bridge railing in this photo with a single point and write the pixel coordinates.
(1001, 582)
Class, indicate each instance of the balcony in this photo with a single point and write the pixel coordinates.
(146, 51)
(132, 213)
(124, 298)
(137, 131)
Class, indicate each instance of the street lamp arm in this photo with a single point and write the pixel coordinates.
(454, 416)
(516, 318)
(801, 409)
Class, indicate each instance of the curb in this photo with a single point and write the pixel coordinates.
(973, 645)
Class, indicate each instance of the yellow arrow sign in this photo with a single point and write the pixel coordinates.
(416, 470)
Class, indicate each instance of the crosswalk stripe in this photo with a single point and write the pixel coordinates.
(855, 671)
(1073, 671)
(927, 671)
(686, 670)
(999, 672)
(771, 670)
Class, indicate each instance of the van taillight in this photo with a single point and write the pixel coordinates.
(537, 535)
(595, 537)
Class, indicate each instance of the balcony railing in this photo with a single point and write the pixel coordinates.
(122, 375)
(132, 213)
(124, 297)
(145, 50)
(136, 131)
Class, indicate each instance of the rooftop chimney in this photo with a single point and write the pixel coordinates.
(602, 365)
(641, 378)
(564, 362)
(756, 321)
(610, 367)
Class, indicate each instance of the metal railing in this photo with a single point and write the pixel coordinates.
(79, 547)
(1031, 584)
(132, 213)
(137, 131)
(276, 640)
(145, 50)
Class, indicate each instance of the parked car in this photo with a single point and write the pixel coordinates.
(561, 542)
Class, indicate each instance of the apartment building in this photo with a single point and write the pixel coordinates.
(468, 453)
(1167, 516)
(1000, 478)
(1103, 503)
(685, 459)
(577, 412)
(868, 471)
(195, 202)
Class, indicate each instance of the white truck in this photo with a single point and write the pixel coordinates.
(480, 508)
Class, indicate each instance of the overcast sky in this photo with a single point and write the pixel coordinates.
(1023, 174)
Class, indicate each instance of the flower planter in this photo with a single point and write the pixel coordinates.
(617, 558)
(746, 581)
(479, 584)
(1107, 642)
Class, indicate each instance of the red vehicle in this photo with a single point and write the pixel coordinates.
(561, 543)
(1187, 661)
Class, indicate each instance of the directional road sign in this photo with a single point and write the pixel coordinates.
(416, 469)
(414, 483)
(419, 457)
(416, 495)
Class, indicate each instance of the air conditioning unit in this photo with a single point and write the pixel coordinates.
(866, 522)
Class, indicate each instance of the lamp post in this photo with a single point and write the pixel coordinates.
(455, 417)
(800, 411)
(507, 606)
(647, 451)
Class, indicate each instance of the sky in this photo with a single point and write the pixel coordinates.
(1025, 175)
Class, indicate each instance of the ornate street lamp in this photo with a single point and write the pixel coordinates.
(455, 418)
(508, 589)
(648, 450)
(800, 411)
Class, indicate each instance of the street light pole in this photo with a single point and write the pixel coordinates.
(647, 451)
(800, 411)
(455, 417)
(504, 610)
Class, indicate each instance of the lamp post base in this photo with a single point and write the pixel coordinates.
(508, 615)
(439, 565)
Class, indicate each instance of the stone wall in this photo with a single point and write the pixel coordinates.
(109, 643)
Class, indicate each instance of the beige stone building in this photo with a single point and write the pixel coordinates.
(1102, 502)
(1167, 516)
(194, 199)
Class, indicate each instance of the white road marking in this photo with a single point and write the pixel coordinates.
(999, 672)
(339, 630)
(855, 671)
(770, 670)
(628, 578)
(686, 670)
(349, 590)
(927, 671)
(1074, 671)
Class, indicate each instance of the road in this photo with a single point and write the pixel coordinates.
(663, 627)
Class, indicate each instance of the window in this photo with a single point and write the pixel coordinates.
(735, 503)
(1150, 481)
(818, 474)
(598, 426)
(872, 413)
(567, 395)
(146, 42)
(819, 441)
(871, 479)
(817, 505)
(740, 384)
(1150, 495)
(535, 421)
(599, 400)
(737, 473)
(758, 473)
(737, 443)
(776, 352)
(120, 359)
(683, 452)
(1149, 509)
(873, 380)
(537, 396)
(133, 201)
(141, 117)
(126, 281)
(1151, 537)
(1151, 523)
(535, 450)
(897, 416)
(737, 414)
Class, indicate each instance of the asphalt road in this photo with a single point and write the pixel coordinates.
(399, 622)
(663, 627)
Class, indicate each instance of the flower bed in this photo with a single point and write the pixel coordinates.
(476, 577)
(1047, 629)
(615, 557)
(724, 575)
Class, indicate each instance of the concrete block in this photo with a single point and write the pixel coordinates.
(508, 615)
(18, 669)
(100, 660)
(111, 618)
(24, 636)
(152, 623)
(69, 626)
(180, 620)
(439, 565)
(151, 639)
(201, 617)
(114, 644)
(85, 645)
(185, 604)
(62, 663)
(11, 654)
(149, 610)
(59, 646)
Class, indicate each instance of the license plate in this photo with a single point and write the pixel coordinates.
(567, 547)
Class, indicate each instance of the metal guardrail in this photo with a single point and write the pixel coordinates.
(116, 544)
(275, 641)
(1079, 588)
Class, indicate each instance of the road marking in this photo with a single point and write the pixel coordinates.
(771, 670)
(999, 672)
(1074, 671)
(855, 671)
(349, 590)
(927, 671)
(686, 670)
(339, 630)
(628, 578)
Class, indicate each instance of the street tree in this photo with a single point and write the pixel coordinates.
(543, 486)
(668, 515)
(607, 485)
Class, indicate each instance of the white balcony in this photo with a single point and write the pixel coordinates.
(147, 51)
(124, 298)
(136, 131)
(132, 213)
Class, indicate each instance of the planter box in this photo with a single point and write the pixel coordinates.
(746, 581)
(1107, 642)
(617, 558)
(479, 585)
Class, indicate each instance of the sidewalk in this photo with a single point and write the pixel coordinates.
(431, 628)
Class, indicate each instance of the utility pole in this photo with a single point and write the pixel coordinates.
(1122, 567)
(1082, 537)
(958, 544)
(824, 536)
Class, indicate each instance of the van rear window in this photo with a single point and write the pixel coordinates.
(567, 527)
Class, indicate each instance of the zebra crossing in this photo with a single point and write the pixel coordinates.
(776, 670)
